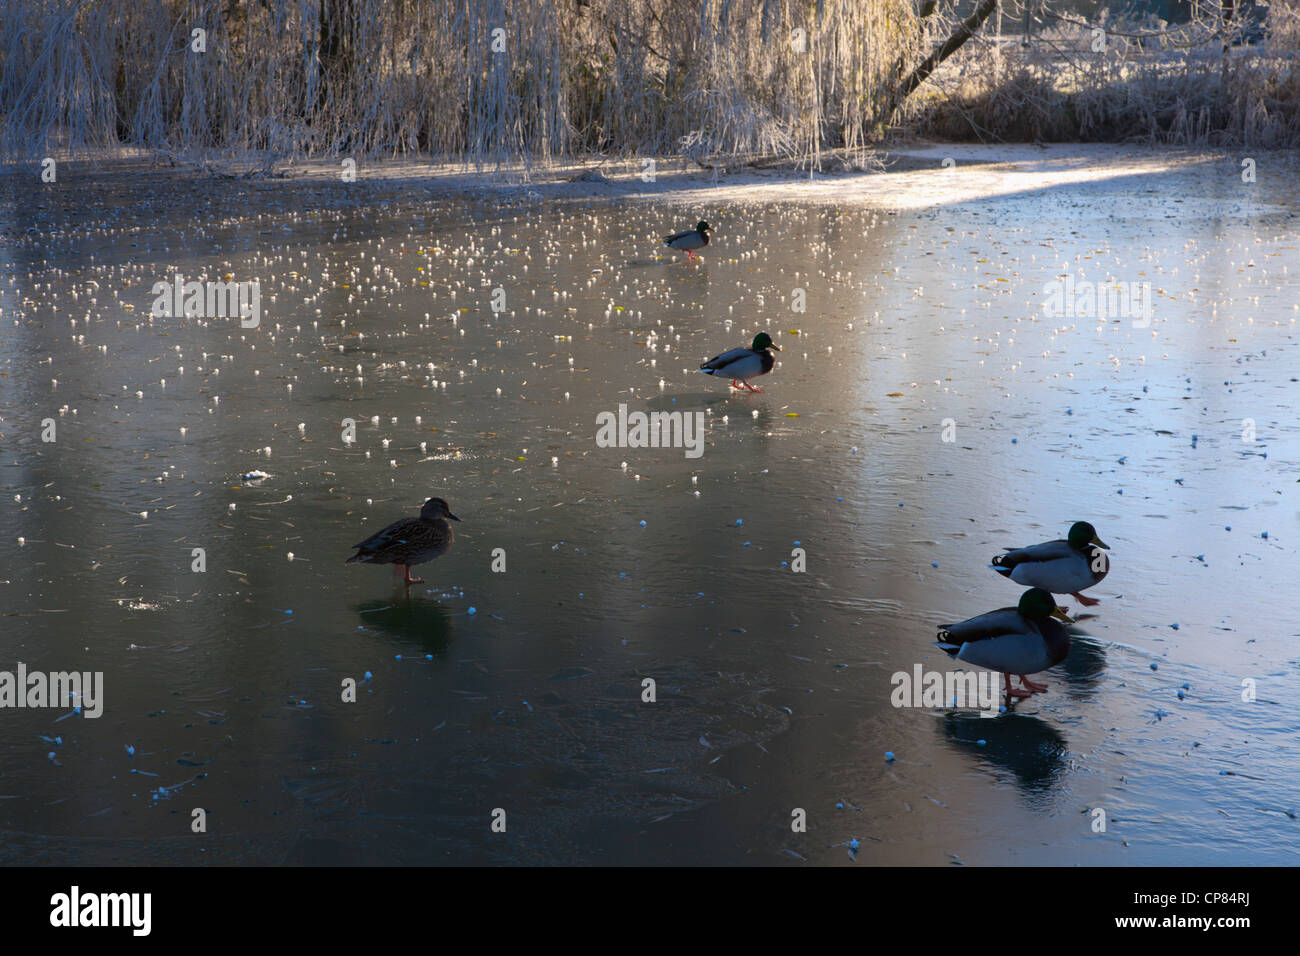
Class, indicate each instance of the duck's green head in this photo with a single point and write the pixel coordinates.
(702, 226)
(1083, 534)
(764, 341)
(1038, 605)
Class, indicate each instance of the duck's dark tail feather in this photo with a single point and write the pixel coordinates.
(359, 556)
(999, 567)
(945, 645)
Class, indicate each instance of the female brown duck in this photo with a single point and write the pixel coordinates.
(410, 540)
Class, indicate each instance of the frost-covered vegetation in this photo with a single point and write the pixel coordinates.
(497, 80)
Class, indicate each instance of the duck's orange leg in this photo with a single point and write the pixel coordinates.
(1013, 692)
(1084, 600)
(410, 580)
(1034, 688)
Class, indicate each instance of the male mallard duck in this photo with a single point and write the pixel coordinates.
(1014, 640)
(1062, 567)
(744, 364)
(410, 540)
(690, 240)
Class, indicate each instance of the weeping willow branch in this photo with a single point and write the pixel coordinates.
(964, 31)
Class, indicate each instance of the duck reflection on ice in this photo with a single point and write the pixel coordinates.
(1029, 748)
(763, 422)
(417, 623)
(681, 401)
(1084, 666)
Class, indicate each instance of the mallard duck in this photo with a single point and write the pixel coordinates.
(690, 240)
(1013, 640)
(744, 364)
(410, 540)
(1062, 567)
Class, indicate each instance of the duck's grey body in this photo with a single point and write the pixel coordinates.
(1013, 640)
(740, 364)
(690, 240)
(1055, 566)
(1005, 640)
(687, 241)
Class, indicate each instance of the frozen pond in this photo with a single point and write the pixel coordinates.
(474, 342)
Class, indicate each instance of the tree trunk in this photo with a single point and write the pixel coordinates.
(965, 30)
(337, 22)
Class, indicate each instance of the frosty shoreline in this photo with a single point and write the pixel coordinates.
(915, 178)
